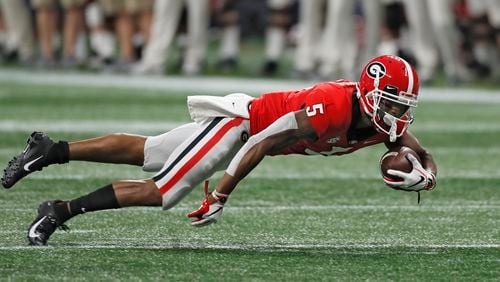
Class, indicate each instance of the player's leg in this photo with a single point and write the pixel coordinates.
(42, 151)
(149, 152)
(119, 148)
(119, 194)
(198, 157)
(202, 154)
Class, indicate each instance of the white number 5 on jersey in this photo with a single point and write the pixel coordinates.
(314, 109)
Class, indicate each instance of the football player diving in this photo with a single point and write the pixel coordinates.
(234, 133)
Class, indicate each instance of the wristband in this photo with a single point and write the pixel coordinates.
(219, 197)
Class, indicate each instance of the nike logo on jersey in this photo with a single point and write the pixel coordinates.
(32, 233)
(333, 140)
(27, 165)
(334, 150)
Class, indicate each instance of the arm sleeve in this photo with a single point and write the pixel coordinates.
(284, 123)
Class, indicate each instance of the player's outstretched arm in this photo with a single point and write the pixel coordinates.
(427, 170)
(283, 132)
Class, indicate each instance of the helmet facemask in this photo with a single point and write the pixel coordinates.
(390, 111)
(387, 91)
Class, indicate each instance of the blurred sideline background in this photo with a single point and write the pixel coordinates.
(451, 42)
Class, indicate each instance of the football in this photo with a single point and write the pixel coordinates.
(396, 159)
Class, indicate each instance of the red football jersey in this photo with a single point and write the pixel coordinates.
(329, 107)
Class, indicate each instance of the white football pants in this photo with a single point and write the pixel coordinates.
(192, 153)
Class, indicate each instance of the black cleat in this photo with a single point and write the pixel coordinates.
(45, 223)
(31, 159)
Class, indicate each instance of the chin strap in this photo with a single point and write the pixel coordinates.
(392, 132)
(390, 120)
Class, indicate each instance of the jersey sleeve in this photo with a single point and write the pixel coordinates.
(320, 110)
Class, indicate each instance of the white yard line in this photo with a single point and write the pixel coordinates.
(87, 126)
(268, 209)
(291, 174)
(215, 85)
(145, 126)
(257, 247)
(495, 150)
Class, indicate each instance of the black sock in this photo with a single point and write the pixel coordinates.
(58, 154)
(62, 211)
(101, 199)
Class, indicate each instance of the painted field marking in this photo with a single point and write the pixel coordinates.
(157, 127)
(257, 247)
(215, 85)
(267, 209)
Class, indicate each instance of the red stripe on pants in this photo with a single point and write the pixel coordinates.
(200, 154)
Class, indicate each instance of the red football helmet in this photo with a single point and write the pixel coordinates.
(387, 91)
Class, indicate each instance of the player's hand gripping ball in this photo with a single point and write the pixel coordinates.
(401, 169)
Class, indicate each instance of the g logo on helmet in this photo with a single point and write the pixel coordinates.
(375, 69)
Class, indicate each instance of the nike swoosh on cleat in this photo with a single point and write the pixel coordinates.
(27, 165)
(32, 233)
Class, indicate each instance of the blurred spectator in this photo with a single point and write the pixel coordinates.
(18, 40)
(129, 16)
(73, 30)
(279, 19)
(338, 45)
(371, 22)
(3, 33)
(239, 18)
(228, 18)
(102, 40)
(46, 21)
(431, 35)
(392, 29)
(432, 23)
(333, 35)
(309, 35)
(165, 23)
(330, 45)
(484, 37)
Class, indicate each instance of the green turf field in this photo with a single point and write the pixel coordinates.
(292, 219)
